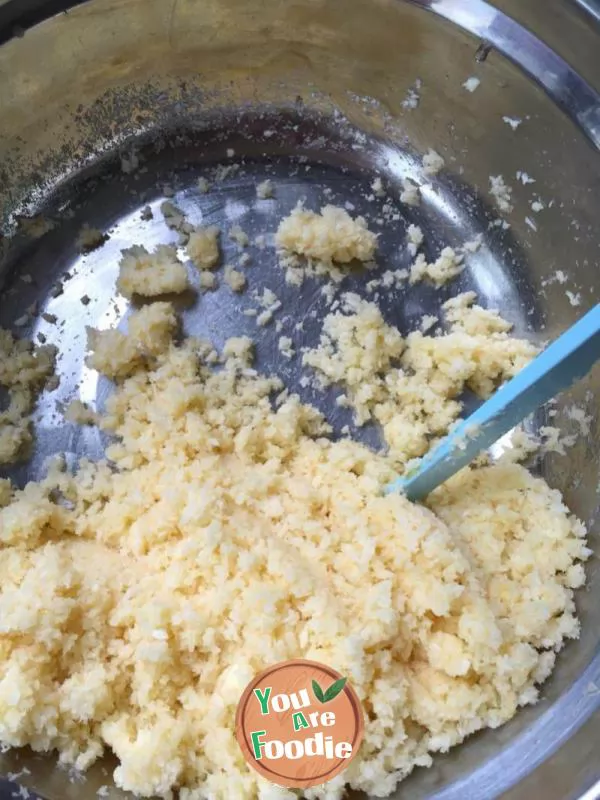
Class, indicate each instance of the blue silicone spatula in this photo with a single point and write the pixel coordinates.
(563, 362)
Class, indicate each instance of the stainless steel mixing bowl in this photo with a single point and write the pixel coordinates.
(310, 93)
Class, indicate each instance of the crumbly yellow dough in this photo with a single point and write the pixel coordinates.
(231, 534)
(447, 266)
(118, 355)
(331, 236)
(411, 386)
(151, 274)
(24, 372)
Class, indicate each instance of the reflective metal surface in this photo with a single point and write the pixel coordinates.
(309, 93)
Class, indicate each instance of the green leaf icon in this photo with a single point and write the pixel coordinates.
(334, 689)
(318, 692)
(331, 693)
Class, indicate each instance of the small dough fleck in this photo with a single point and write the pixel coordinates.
(239, 236)
(410, 195)
(265, 190)
(79, 413)
(501, 193)
(432, 162)
(414, 237)
(471, 84)
(236, 280)
(286, 346)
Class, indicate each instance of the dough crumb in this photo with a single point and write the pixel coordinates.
(173, 216)
(239, 348)
(583, 420)
(414, 236)
(286, 346)
(473, 245)
(208, 280)
(203, 247)
(239, 236)
(427, 322)
(224, 171)
(448, 265)
(203, 185)
(79, 413)
(410, 195)
(235, 280)
(413, 98)
(151, 274)
(512, 122)
(90, 239)
(501, 193)
(265, 190)
(531, 223)
(118, 355)
(378, 188)
(471, 84)
(524, 177)
(432, 163)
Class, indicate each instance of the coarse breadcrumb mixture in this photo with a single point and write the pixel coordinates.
(117, 355)
(151, 274)
(24, 372)
(226, 532)
(411, 386)
(328, 237)
(448, 265)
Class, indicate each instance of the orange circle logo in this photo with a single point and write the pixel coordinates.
(299, 723)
